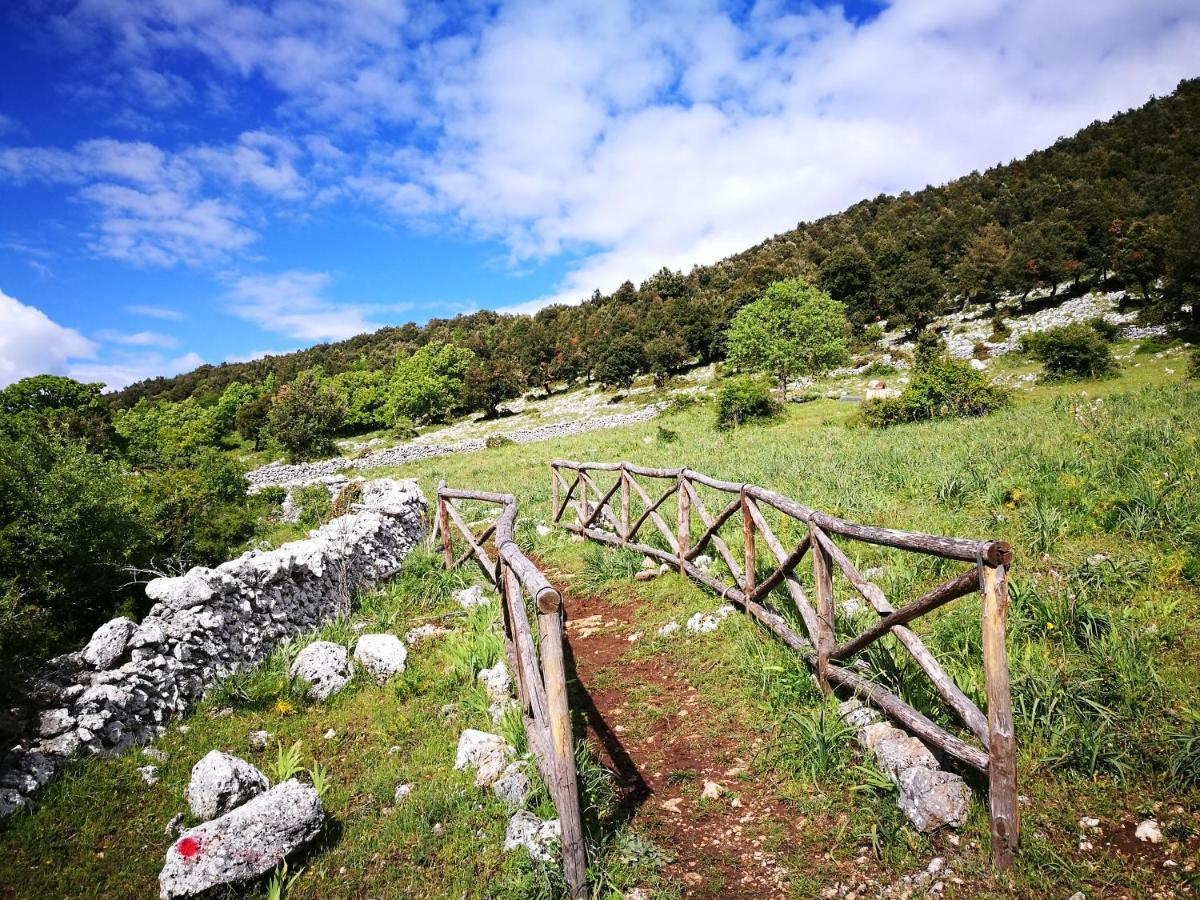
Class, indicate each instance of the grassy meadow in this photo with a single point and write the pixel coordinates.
(1095, 484)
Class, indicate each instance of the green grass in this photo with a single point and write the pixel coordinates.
(1101, 504)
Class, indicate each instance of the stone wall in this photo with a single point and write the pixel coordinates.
(285, 475)
(131, 678)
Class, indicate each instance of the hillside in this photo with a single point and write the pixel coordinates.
(1116, 201)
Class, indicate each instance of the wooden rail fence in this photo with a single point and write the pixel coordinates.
(538, 665)
(614, 513)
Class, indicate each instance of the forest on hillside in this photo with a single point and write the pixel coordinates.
(1118, 201)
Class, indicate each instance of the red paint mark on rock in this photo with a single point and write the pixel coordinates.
(188, 847)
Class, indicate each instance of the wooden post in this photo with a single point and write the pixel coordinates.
(683, 525)
(823, 585)
(566, 792)
(624, 504)
(751, 574)
(1002, 748)
(443, 515)
(554, 479)
(584, 511)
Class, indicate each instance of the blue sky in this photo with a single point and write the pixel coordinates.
(187, 181)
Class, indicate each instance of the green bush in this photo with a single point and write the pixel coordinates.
(1109, 331)
(313, 502)
(498, 440)
(1193, 366)
(1071, 351)
(742, 400)
(878, 369)
(941, 388)
(305, 416)
(1157, 344)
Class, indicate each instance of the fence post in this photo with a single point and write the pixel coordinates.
(584, 509)
(625, 535)
(823, 585)
(1002, 751)
(554, 492)
(550, 627)
(683, 526)
(748, 549)
(443, 523)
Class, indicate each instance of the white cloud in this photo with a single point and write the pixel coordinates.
(156, 312)
(292, 303)
(137, 338)
(123, 369)
(32, 344)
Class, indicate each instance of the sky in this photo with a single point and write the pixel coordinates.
(198, 181)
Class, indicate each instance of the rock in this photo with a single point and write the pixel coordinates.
(857, 715)
(423, 633)
(469, 598)
(513, 785)
(1149, 831)
(542, 530)
(402, 791)
(896, 751)
(174, 826)
(496, 681)
(1089, 822)
(329, 734)
(243, 843)
(11, 801)
(326, 668)
(701, 623)
(486, 753)
(149, 774)
(978, 365)
(382, 655)
(155, 754)
(259, 740)
(880, 394)
(669, 628)
(221, 782)
(539, 838)
(109, 642)
(645, 575)
(712, 790)
(54, 722)
(724, 611)
(703, 562)
(932, 798)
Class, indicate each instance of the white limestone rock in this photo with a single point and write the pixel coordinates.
(221, 782)
(259, 740)
(1148, 830)
(932, 798)
(109, 642)
(475, 595)
(540, 838)
(496, 681)
(325, 666)
(382, 655)
(701, 623)
(244, 843)
(487, 753)
(513, 785)
(423, 633)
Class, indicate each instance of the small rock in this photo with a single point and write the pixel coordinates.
(669, 628)
(108, 643)
(402, 791)
(935, 865)
(243, 843)
(174, 826)
(1149, 831)
(712, 790)
(539, 837)
(1085, 845)
(330, 734)
(513, 785)
(468, 598)
(382, 655)
(496, 681)
(672, 805)
(221, 782)
(635, 637)
(486, 753)
(149, 774)
(646, 575)
(155, 754)
(325, 666)
(259, 740)
(1089, 822)
(701, 623)
(423, 633)
(542, 530)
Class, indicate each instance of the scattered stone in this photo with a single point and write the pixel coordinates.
(725, 611)
(496, 681)
(155, 754)
(221, 782)
(932, 798)
(243, 843)
(330, 734)
(402, 791)
(423, 633)
(174, 826)
(382, 655)
(185, 729)
(259, 740)
(539, 837)
(469, 598)
(646, 575)
(149, 774)
(703, 562)
(325, 666)
(978, 365)
(108, 643)
(701, 623)
(11, 801)
(542, 530)
(669, 628)
(393, 750)
(1149, 831)
(1089, 822)
(635, 637)
(672, 805)
(486, 753)
(223, 712)
(712, 790)
(513, 785)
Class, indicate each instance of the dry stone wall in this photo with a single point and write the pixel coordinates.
(131, 678)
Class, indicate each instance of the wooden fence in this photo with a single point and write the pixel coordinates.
(614, 513)
(537, 665)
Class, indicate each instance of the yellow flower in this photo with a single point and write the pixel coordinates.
(283, 707)
(1050, 625)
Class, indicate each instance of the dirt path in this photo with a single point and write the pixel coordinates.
(681, 770)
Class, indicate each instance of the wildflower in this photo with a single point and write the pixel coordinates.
(283, 708)
(1050, 626)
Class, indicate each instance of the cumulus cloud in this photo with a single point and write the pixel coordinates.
(293, 303)
(123, 369)
(33, 344)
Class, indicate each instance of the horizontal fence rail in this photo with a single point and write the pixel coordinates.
(538, 667)
(614, 514)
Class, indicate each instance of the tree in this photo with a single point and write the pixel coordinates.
(914, 289)
(305, 416)
(618, 361)
(252, 418)
(793, 329)
(1181, 259)
(489, 382)
(231, 400)
(848, 276)
(71, 405)
(981, 267)
(1138, 257)
(427, 386)
(665, 354)
(365, 394)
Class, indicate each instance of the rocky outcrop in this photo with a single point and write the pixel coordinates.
(205, 625)
(328, 471)
(243, 843)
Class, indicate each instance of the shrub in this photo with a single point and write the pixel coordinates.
(873, 333)
(742, 400)
(404, 429)
(1108, 331)
(941, 388)
(305, 416)
(313, 502)
(878, 369)
(1071, 351)
(1000, 329)
(1156, 344)
(498, 440)
(981, 350)
(1193, 366)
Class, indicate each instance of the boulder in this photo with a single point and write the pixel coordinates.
(326, 668)
(382, 655)
(109, 642)
(244, 843)
(486, 753)
(539, 837)
(221, 782)
(932, 798)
